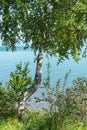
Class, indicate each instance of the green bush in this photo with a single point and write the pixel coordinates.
(68, 103)
(12, 92)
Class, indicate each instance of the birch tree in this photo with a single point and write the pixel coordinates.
(56, 27)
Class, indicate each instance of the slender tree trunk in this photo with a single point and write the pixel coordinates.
(34, 87)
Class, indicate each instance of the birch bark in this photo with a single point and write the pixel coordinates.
(34, 87)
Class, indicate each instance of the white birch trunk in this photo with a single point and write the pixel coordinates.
(33, 88)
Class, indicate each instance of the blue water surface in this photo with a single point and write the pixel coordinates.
(8, 61)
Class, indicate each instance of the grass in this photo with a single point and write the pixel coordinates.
(39, 121)
(10, 124)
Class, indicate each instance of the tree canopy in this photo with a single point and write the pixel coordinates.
(58, 26)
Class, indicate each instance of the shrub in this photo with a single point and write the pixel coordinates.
(66, 103)
(12, 92)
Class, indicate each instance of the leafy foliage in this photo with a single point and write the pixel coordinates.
(13, 90)
(19, 79)
(59, 27)
(66, 103)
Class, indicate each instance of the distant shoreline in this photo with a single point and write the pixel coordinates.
(18, 48)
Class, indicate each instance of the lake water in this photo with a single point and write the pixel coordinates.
(9, 59)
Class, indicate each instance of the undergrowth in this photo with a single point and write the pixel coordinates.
(40, 121)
